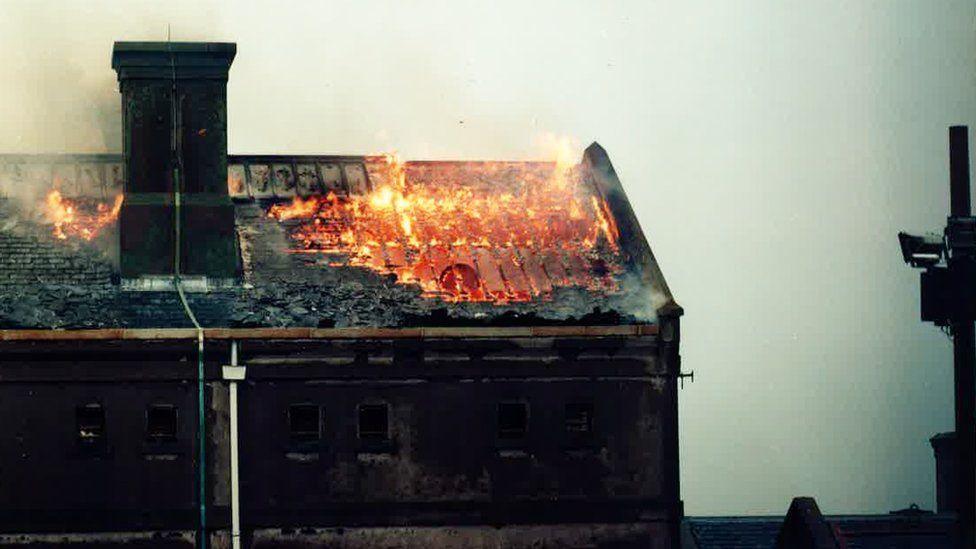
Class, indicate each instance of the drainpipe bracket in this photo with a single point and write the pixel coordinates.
(234, 373)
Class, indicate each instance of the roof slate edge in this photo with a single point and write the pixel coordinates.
(298, 158)
(328, 333)
(59, 158)
(608, 184)
(880, 517)
(65, 158)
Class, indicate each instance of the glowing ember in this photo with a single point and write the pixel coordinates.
(486, 231)
(79, 219)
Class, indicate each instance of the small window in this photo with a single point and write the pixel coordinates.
(374, 421)
(304, 422)
(579, 417)
(513, 419)
(90, 419)
(161, 422)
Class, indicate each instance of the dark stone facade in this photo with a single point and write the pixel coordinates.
(372, 435)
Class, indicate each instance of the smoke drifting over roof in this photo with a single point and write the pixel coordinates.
(59, 93)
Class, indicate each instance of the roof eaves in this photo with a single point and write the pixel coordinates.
(329, 333)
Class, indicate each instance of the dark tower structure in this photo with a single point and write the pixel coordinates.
(949, 300)
(174, 128)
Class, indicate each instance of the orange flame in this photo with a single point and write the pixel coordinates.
(452, 229)
(73, 219)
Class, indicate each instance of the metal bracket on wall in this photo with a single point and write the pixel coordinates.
(234, 373)
(683, 375)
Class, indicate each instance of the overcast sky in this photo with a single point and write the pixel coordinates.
(772, 150)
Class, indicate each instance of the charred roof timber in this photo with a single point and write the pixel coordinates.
(174, 112)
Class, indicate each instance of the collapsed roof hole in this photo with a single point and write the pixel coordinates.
(90, 421)
(304, 422)
(513, 420)
(161, 422)
(374, 421)
(460, 279)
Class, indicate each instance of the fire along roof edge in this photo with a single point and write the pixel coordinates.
(632, 237)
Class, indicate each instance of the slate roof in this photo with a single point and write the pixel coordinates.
(51, 283)
(923, 531)
(891, 531)
(733, 532)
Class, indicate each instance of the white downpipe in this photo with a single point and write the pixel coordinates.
(235, 491)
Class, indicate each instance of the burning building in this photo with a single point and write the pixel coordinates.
(325, 351)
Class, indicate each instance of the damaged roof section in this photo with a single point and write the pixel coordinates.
(344, 241)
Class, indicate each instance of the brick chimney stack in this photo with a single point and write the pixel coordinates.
(196, 127)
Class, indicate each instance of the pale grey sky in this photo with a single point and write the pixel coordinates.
(771, 149)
